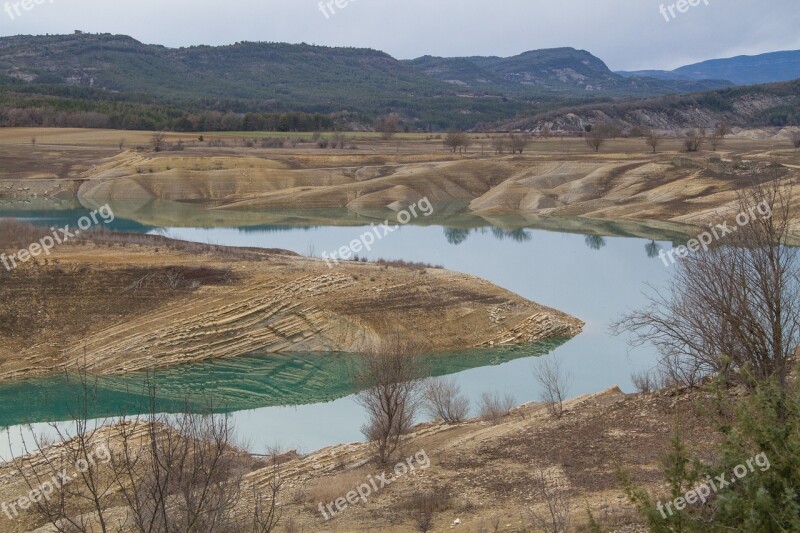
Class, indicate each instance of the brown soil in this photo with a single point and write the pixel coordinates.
(128, 302)
(485, 475)
(555, 177)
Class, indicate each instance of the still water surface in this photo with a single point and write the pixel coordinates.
(304, 401)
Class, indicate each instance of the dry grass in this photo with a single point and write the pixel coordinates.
(329, 488)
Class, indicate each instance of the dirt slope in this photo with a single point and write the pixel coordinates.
(483, 475)
(123, 303)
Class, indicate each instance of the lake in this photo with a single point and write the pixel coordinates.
(304, 401)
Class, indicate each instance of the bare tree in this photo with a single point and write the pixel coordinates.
(796, 139)
(390, 380)
(653, 139)
(644, 381)
(443, 400)
(494, 407)
(718, 135)
(157, 141)
(597, 136)
(555, 515)
(499, 144)
(694, 140)
(165, 473)
(517, 142)
(73, 496)
(555, 382)
(388, 125)
(733, 310)
(456, 140)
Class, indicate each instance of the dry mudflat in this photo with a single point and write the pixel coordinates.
(121, 303)
(238, 184)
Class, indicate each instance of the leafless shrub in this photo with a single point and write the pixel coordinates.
(182, 278)
(644, 381)
(339, 141)
(157, 141)
(653, 139)
(499, 144)
(177, 147)
(424, 506)
(456, 141)
(718, 135)
(517, 142)
(493, 407)
(328, 488)
(168, 473)
(597, 136)
(389, 377)
(15, 234)
(735, 309)
(216, 143)
(694, 140)
(270, 142)
(796, 139)
(443, 400)
(554, 517)
(400, 263)
(388, 125)
(554, 380)
(76, 506)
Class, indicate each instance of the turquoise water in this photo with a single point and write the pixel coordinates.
(305, 401)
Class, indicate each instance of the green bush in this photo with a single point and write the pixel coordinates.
(763, 425)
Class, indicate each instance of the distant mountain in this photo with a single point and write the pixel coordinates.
(314, 78)
(561, 70)
(657, 74)
(740, 70)
(115, 81)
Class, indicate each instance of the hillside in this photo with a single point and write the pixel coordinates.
(562, 70)
(138, 86)
(775, 105)
(740, 70)
(115, 81)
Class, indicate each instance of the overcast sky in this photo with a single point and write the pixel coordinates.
(626, 34)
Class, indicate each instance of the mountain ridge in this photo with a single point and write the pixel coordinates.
(756, 69)
(116, 81)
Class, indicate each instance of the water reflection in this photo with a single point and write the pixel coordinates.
(237, 384)
(652, 248)
(595, 242)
